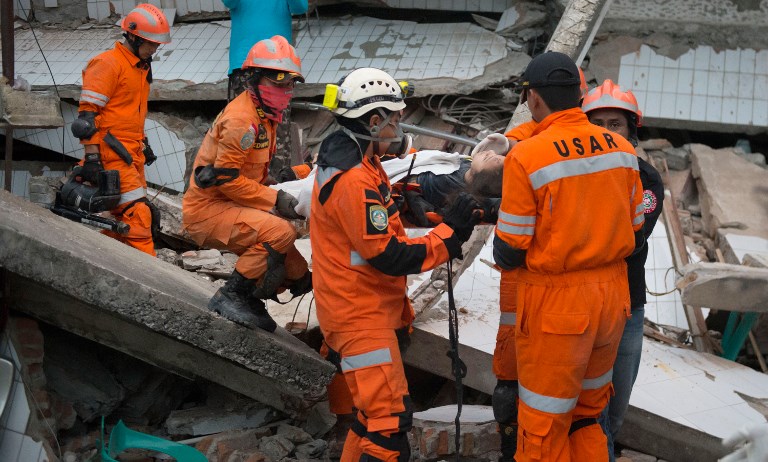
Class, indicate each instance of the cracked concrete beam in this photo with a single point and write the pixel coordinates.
(722, 286)
(82, 281)
(573, 36)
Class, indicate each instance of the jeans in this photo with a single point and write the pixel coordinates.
(624, 374)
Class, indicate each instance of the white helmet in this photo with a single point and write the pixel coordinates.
(363, 90)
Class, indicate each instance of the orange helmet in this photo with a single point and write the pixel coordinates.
(148, 22)
(610, 95)
(583, 86)
(275, 54)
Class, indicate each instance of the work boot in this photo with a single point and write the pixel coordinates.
(274, 276)
(232, 302)
(302, 285)
(259, 310)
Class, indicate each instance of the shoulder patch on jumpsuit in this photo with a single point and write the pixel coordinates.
(248, 138)
(378, 217)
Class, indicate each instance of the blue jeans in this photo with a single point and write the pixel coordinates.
(624, 374)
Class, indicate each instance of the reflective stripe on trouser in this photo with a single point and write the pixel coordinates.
(250, 228)
(132, 184)
(568, 331)
(374, 373)
(504, 355)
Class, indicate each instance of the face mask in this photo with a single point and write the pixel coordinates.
(276, 99)
(399, 145)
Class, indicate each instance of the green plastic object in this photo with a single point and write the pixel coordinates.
(736, 333)
(123, 438)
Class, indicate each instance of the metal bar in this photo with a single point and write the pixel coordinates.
(406, 127)
(6, 34)
(693, 314)
(8, 157)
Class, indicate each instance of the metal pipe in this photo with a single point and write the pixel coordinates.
(8, 157)
(6, 34)
(406, 127)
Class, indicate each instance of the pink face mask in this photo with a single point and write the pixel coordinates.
(276, 99)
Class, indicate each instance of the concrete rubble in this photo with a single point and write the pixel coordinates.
(159, 309)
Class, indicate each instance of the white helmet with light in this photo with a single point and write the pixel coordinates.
(364, 90)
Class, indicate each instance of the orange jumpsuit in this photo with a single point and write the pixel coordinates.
(575, 214)
(504, 357)
(236, 215)
(361, 258)
(115, 87)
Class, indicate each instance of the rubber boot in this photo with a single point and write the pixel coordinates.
(232, 301)
(259, 310)
(274, 276)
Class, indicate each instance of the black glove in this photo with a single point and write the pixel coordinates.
(90, 170)
(286, 174)
(417, 209)
(286, 205)
(490, 208)
(462, 216)
(149, 154)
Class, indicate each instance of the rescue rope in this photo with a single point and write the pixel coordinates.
(457, 365)
(659, 294)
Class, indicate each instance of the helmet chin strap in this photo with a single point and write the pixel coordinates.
(134, 41)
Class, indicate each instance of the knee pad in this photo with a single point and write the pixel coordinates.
(505, 402)
(274, 276)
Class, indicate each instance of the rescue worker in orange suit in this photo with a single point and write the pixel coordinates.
(505, 393)
(609, 107)
(571, 211)
(228, 206)
(110, 123)
(362, 256)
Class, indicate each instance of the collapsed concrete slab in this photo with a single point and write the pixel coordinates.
(724, 287)
(96, 287)
(732, 192)
(437, 58)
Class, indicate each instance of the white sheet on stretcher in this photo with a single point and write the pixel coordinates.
(437, 162)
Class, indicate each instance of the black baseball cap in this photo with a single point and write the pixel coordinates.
(551, 69)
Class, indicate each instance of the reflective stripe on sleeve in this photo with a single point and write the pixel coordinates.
(356, 260)
(576, 167)
(640, 208)
(92, 97)
(132, 195)
(597, 382)
(517, 219)
(507, 318)
(372, 358)
(511, 229)
(546, 403)
(640, 219)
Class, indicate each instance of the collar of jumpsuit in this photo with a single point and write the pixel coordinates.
(127, 54)
(569, 116)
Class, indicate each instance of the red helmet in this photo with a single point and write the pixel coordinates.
(583, 86)
(610, 95)
(275, 54)
(148, 22)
